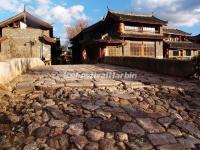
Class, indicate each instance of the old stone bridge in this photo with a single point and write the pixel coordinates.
(55, 108)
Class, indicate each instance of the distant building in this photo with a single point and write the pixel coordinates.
(120, 34)
(25, 35)
(177, 44)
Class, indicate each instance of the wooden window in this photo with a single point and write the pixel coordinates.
(175, 52)
(131, 28)
(188, 53)
(149, 29)
(114, 51)
(149, 49)
(136, 49)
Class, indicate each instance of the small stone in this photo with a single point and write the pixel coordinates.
(56, 132)
(106, 144)
(57, 123)
(120, 136)
(124, 102)
(79, 141)
(174, 131)
(123, 117)
(90, 106)
(121, 146)
(109, 135)
(166, 121)
(161, 139)
(45, 117)
(32, 127)
(102, 113)
(32, 146)
(14, 118)
(150, 125)
(59, 142)
(133, 129)
(92, 123)
(74, 96)
(95, 135)
(57, 114)
(171, 147)
(49, 102)
(41, 132)
(75, 129)
(92, 146)
(36, 106)
(111, 126)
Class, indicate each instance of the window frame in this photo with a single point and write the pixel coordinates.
(187, 53)
(177, 53)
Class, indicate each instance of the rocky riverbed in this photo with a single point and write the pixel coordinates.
(44, 110)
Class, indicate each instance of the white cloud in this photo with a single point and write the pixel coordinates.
(177, 12)
(43, 2)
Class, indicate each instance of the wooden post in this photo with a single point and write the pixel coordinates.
(121, 27)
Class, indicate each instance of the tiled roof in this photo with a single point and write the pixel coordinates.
(175, 31)
(129, 17)
(25, 15)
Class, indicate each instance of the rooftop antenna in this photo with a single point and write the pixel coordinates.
(152, 13)
(24, 14)
(108, 8)
(24, 8)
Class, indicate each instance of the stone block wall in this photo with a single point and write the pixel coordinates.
(179, 68)
(24, 43)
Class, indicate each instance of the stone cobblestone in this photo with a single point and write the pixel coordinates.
(46, 109)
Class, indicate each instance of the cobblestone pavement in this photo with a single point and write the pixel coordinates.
(46, 109)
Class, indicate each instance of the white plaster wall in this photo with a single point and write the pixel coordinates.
(10, 69)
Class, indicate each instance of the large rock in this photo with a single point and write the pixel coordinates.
(14, 118)
(150, 125)
(59, 142)
(171, 147)
(95, 135)
(188, 127)
(57, 114)
(106, 144)
(57, 123)
(41, 132)
(92, 146)
(32, 127)
(161, 139)
(75, 129)
(79, 141)
(133, 129)
(111, 126)
(120, 136)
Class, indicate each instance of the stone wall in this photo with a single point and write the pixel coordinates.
(24, 43)
(180, 68)
(10, 69)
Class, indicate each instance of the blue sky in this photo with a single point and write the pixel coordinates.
(182, 14)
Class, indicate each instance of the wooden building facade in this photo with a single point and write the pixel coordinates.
(25, 35)
(120, 34)
(178, 44)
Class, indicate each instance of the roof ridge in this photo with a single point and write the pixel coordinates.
(131, 14)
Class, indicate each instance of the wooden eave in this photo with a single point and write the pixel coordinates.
(49, 39)
(141, 36)
(183, 45)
